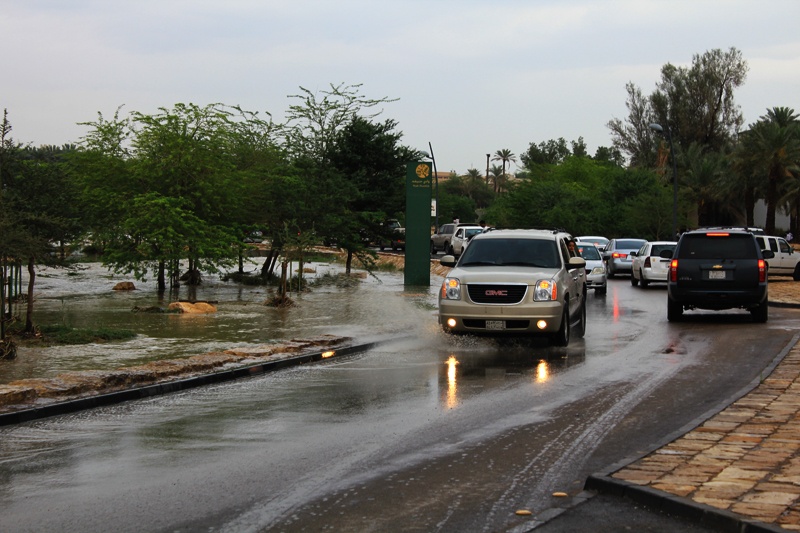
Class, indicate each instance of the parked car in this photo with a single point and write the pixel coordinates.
(786, 260)
(515, 282)
(440, 240)
(595, 268)
(717, 269)
(600, 242)
(617, 255)
(648, 265)
(464, 233)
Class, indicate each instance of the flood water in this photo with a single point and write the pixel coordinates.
(83, 297)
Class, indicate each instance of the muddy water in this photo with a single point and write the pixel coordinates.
(82, 297)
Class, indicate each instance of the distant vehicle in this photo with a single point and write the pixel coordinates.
(648, 265)
(600, 242)
(617, 255)
(396, 236)
(717, 269)
(786, 261)
(515, 282)
(442, 239)
(464, 233)
(595, 268)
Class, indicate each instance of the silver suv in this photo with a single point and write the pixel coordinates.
(519, 282)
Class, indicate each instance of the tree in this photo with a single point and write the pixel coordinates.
(772, 147)
(369, 165)
(505, 156)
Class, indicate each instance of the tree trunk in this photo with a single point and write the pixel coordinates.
(31, 279)
(349, 262)
(162, 280)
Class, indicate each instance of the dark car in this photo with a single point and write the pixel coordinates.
(717, 269)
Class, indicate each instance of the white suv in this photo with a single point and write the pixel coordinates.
(786, 260)
(519, 282)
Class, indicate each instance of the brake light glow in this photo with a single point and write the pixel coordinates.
(719, 234)
(673, 270)
(617, 255)
(762, 271)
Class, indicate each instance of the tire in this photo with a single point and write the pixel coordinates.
(634, 281)
(645, 283)
(760, 313)
(796, 275)
(601, 290)
(674, 310)
(561, 337)
(580, 329)
(609, 272)
(382, 247)
(450, 250)
(433, 248)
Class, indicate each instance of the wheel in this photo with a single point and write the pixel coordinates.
(645, 283)
(635, 281)
(580, 329)
(433, 248)
(382, 247)
(796, 275)
(561, 337)
(450, 250)
(760, 313)
(601, 290)
(674, 310)
(609, 272)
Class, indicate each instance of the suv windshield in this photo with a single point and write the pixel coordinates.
(511, 252)
(725, 246)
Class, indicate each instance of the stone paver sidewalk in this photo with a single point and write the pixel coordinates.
(745, 459)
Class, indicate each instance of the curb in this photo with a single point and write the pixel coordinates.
(700, 513)
(71, 406)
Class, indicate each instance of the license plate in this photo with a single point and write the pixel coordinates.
(495, 324)
(716, 274)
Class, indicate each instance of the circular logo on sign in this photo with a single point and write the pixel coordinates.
(423, 171)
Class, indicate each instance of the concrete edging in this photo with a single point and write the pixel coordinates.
(137, 393)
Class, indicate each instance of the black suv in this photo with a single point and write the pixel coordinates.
(717, 269)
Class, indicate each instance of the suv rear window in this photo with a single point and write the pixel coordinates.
(513, 252)
(730, 246)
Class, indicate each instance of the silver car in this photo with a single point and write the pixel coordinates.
(617, 255)
(595, 268)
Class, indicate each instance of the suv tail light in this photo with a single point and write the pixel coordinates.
(647, 262)
(673, 270)
(762, 271)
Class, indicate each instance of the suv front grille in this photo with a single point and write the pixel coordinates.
(496, 293)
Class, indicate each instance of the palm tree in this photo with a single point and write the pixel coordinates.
(775, 149)
(505, 156)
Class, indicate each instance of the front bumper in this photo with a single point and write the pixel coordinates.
(468, 317)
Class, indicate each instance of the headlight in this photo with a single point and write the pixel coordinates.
(451, 289)
(596, 271)
(546, 290)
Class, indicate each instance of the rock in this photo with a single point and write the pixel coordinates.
(194, 308)
(125, 286)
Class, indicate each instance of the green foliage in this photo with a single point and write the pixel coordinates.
(61, 334)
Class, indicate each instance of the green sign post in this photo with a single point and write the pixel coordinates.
(418, 224)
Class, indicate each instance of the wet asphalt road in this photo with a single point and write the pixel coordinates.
(427, 433)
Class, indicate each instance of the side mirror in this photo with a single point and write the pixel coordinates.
(448, 261)
(665, 254)
(634, 254)
(577, 262)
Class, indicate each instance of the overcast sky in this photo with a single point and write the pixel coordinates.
(472, 77)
